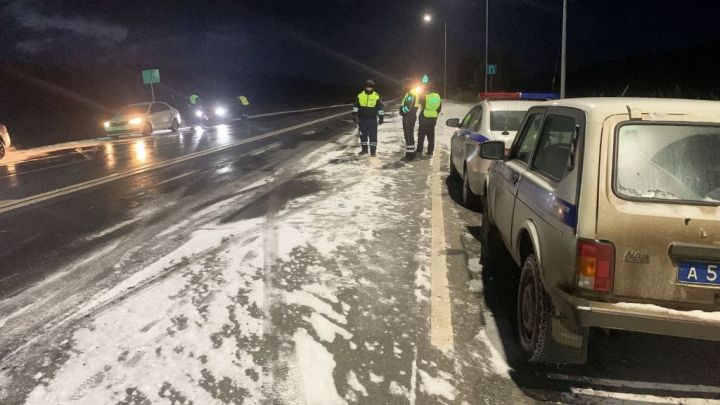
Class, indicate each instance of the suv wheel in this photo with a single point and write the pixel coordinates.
(2, 150)
(534, 313)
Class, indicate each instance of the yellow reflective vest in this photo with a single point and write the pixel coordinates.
(432, 105)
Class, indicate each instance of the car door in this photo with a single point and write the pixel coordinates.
(473, 135)
(547, 193)
(154, 116)
(457, 143)
(506, 175)
(169, 113)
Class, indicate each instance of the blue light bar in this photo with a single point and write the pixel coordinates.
(539, 96)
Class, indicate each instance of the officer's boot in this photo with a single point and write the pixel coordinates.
(372, 151)
(363, 151)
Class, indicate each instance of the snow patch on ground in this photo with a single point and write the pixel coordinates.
(436, 386)
(658, 310)
(326, 329)
(475, 286)
(496, 359)
(317, 366)
(355, 384)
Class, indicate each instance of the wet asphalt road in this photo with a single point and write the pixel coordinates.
(36, 238)
(286, 268)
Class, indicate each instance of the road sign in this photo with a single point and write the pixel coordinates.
(425, 79)
(491, 69)
(151, 76)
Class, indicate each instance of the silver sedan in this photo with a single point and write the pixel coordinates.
(143, 118)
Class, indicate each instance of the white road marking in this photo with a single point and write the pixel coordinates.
(621, 397)
(9, 205)
(441, 334)
(607, 382)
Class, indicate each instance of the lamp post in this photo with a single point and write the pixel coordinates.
(487, 19)
(427, 18)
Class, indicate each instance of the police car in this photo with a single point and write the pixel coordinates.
(4, 140)
(611, 207)
(496, 118)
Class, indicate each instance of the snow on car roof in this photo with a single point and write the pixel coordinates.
(599, 108)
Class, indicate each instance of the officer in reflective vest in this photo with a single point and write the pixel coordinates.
(430, 104)
(408, 110)
(244, 105)
(367, 113)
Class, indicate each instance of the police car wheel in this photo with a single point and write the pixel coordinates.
(2, 150)
(454, 174)
(490, 244)
(534, 313)
(469, 199)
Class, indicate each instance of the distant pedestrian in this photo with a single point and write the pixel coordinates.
(431, 105)
(368, 113)
(408, 111)
(244, 105)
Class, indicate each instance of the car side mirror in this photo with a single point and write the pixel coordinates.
(453, 122)
(492, 150)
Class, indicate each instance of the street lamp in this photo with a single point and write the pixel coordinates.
(427, 18)
(563, 50)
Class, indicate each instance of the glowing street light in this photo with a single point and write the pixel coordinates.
(427, 18)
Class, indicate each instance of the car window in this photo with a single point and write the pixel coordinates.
(166, 107)
(528, 138)
(469, 117)
(506, 120)
(554, 146)
(668, 162)
(477, 120)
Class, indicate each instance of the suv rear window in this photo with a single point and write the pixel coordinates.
(671, 162)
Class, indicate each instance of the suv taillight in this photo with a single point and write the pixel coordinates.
(595, 265)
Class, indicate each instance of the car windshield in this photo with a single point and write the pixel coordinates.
(134, 109)
(669, 162)
(506, 120)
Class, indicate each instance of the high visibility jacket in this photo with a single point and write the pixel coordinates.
(193, 99)
(409, 104)
(431, 104)
(244, 100)
(368, 105)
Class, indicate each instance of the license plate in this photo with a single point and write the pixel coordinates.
(694, 272)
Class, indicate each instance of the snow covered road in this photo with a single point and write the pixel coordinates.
(327, 279)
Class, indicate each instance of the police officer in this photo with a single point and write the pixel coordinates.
(244, 105)
(430, 104)
(408, 110)
(367, 113)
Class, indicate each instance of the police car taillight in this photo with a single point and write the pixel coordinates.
(595, 265)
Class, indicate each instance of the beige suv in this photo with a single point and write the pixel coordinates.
(610, 207)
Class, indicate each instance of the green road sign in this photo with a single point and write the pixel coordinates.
(492, 69)
(425, 79)
(151, 76)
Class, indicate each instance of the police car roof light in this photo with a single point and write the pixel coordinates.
(500, 96)
(538, 96)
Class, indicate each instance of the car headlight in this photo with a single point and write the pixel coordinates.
(106, 124)
(220, 111)
(135, 121)
(198, 113)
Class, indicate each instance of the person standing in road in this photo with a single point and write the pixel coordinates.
(430, 104)
(408, 111)
(244, 105)
(368, 113)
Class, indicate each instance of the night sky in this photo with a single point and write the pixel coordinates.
(343, 41)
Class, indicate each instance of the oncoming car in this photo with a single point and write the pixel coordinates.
(143, 118)
(610, 206)
(496, 118)
(4, 140)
